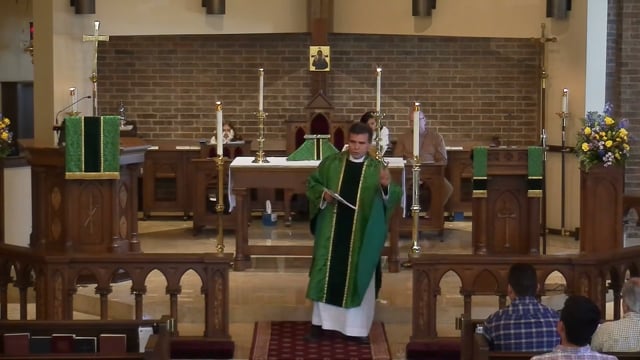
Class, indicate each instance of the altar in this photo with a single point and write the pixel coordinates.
(292, 175)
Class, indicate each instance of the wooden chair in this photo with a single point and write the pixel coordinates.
(320, 124)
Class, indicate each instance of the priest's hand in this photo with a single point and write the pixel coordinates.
(327, 197)
(385, 177)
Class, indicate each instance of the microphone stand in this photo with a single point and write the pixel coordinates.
(58, 129)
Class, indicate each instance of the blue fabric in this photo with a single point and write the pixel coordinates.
(524, 325)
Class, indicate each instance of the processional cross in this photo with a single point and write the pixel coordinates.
(96, 37)
(541, 43)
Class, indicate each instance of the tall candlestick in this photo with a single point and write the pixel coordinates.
(261, 92)
(378, 79)
(74, 99)
(565, 100)
(416, 130)
(219, 127)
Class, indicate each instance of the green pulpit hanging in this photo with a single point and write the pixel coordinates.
(92, 149)
(479, 180)
(315, 147)
(535, 164)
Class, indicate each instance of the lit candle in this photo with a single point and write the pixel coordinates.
(416, 130)
(565, 100)
(378, 79)
(219, 128)
(260, 102)
(74, 99)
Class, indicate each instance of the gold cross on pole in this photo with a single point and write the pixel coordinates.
(96, 37)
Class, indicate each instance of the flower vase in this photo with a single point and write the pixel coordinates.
(601, 196)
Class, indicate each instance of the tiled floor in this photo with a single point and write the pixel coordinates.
(274, 288)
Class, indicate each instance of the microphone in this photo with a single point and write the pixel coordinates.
(70, 105)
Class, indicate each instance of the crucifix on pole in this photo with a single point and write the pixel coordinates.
(541, 43)
(96, 37)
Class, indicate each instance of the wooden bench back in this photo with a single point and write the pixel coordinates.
(481, 351)
(90, 328)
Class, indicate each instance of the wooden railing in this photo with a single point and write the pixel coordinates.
(55, 279)
(589, 275)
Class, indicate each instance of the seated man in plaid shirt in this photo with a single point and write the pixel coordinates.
(526, 324)
(622, 335)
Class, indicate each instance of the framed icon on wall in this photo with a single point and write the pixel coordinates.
(319, 58)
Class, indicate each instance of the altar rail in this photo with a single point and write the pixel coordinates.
(589, 275)
(55, 279)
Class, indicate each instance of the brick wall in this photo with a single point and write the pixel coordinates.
(471, 88)
(623, 76)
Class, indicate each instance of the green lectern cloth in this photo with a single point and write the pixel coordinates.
(92, 149)
(480, 171)
(535, 172)
(315, 147)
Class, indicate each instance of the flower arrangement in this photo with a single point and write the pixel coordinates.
(602, 139)
(5, 137)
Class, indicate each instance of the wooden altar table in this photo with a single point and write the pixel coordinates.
(280, 173)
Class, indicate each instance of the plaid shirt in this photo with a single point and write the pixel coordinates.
(573, 353)
(524, 325)
(618, 336)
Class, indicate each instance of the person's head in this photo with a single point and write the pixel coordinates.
(631, 295)
(369, 118)
(579, 319)
(319, 54)
(360, 136)
(523, 280)
(228, 132)
(422, 118)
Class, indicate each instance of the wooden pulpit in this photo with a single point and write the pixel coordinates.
(86, 216)
(506, 220)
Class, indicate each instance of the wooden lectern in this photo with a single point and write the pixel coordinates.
(507, 220)
(88, 216)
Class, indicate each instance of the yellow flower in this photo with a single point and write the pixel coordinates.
(587, 131)
(608, 143)
(626, 146)
(623, 132)
(585, 147)
(602, 133)
(4, 136)
(609, 121)
(6, 121)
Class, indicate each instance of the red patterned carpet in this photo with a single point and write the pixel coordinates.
(283, 340)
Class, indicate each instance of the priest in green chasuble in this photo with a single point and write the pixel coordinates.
(351, 199)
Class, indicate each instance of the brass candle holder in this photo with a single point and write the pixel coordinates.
(260, 156)
(220, 204)
(379, 155)
(415, 209)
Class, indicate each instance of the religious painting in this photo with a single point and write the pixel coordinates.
(319, 59)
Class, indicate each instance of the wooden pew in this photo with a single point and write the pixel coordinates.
(481, 351)
(86, 328)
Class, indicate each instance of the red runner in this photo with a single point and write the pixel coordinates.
(284, 340)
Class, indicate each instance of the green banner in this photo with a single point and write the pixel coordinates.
(535, 171)
(92, 149)
(480, 154)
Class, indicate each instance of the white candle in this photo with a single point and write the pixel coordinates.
(261, 87)
(74, 99)
(565, 100)
(219, 127)
(416, 130)
(378, 79)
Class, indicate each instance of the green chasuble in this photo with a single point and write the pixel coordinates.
(348, 242)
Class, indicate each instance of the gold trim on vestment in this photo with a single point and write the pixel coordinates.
(353, 226)
(333, 228)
